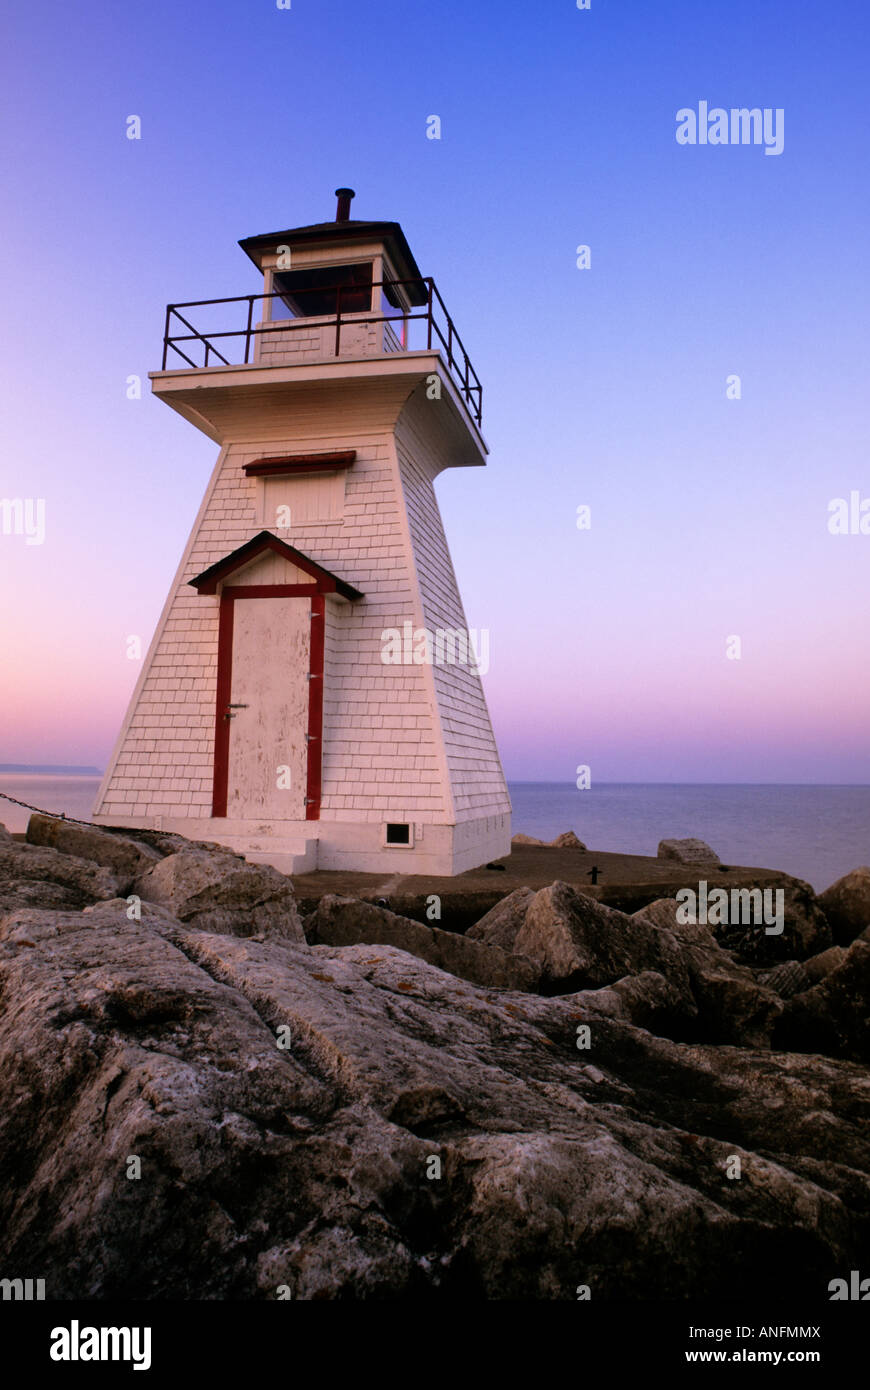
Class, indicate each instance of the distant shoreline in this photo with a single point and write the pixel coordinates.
(49, 769)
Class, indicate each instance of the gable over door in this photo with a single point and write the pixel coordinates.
(268, 737)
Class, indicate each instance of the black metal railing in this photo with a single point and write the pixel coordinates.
(438, 325)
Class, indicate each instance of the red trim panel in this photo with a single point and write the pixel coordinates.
(222, 700)
(315, 707)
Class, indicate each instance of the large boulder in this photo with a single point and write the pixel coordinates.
(647, 1000)
(35, 876)
(732, 1006)
(755, 905)
(216, 890)
(687, 852)
(817, 967)
(567, 840)
(125, 857)
(786, 979)
(341, 921)
(846, 904)
(834, 1016)
(288, 1103)
(581, 944)
(502, 923)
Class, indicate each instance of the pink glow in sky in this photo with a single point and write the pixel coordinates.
(603, 387)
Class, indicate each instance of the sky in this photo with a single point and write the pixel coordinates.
(605, 387)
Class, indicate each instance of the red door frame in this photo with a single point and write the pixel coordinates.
(229, 594)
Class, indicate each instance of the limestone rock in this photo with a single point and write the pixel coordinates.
(846, 904)
(306, 1165)
(732, 1006)
(805, 927)
(579, 943)
(687, 851)
(349, 922)
(567, 840)
(786, 979)
(122, 855)
(647, 1000)
(817, 967)
(834, 1016)
(502, 923)
(219, 891)
(35, 876)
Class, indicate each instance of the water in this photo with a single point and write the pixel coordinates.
(815, 833)
(74, 796)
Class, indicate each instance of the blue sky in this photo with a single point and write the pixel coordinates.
(603, 387)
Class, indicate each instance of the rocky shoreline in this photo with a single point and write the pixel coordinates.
(207, 1092)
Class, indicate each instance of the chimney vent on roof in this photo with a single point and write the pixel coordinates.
(344, 195)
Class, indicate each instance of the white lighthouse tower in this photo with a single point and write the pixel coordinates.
(312, 695)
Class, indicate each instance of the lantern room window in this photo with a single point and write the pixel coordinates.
(314, 293)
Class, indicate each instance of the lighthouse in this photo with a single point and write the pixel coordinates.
(312, 695)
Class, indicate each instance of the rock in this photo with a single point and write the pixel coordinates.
(306, 1165)
(817, 967)
(846, 904)
(165, 842)
(124, 856)
(34, 876)
(647, 1000)
(807, 929)
(349, 922)
(5, 837)
(752, 906)
(502, 923)
(732, 1007)
(834, 1016)
(787, 979)
(687, 851)
(218, 891)
(579, 943)
(567, 840)
(663, 914)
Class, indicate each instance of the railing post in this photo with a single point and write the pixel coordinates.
(450, 342)
(338, 321)
(251, 298)
(431, 284)
(166, 337)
